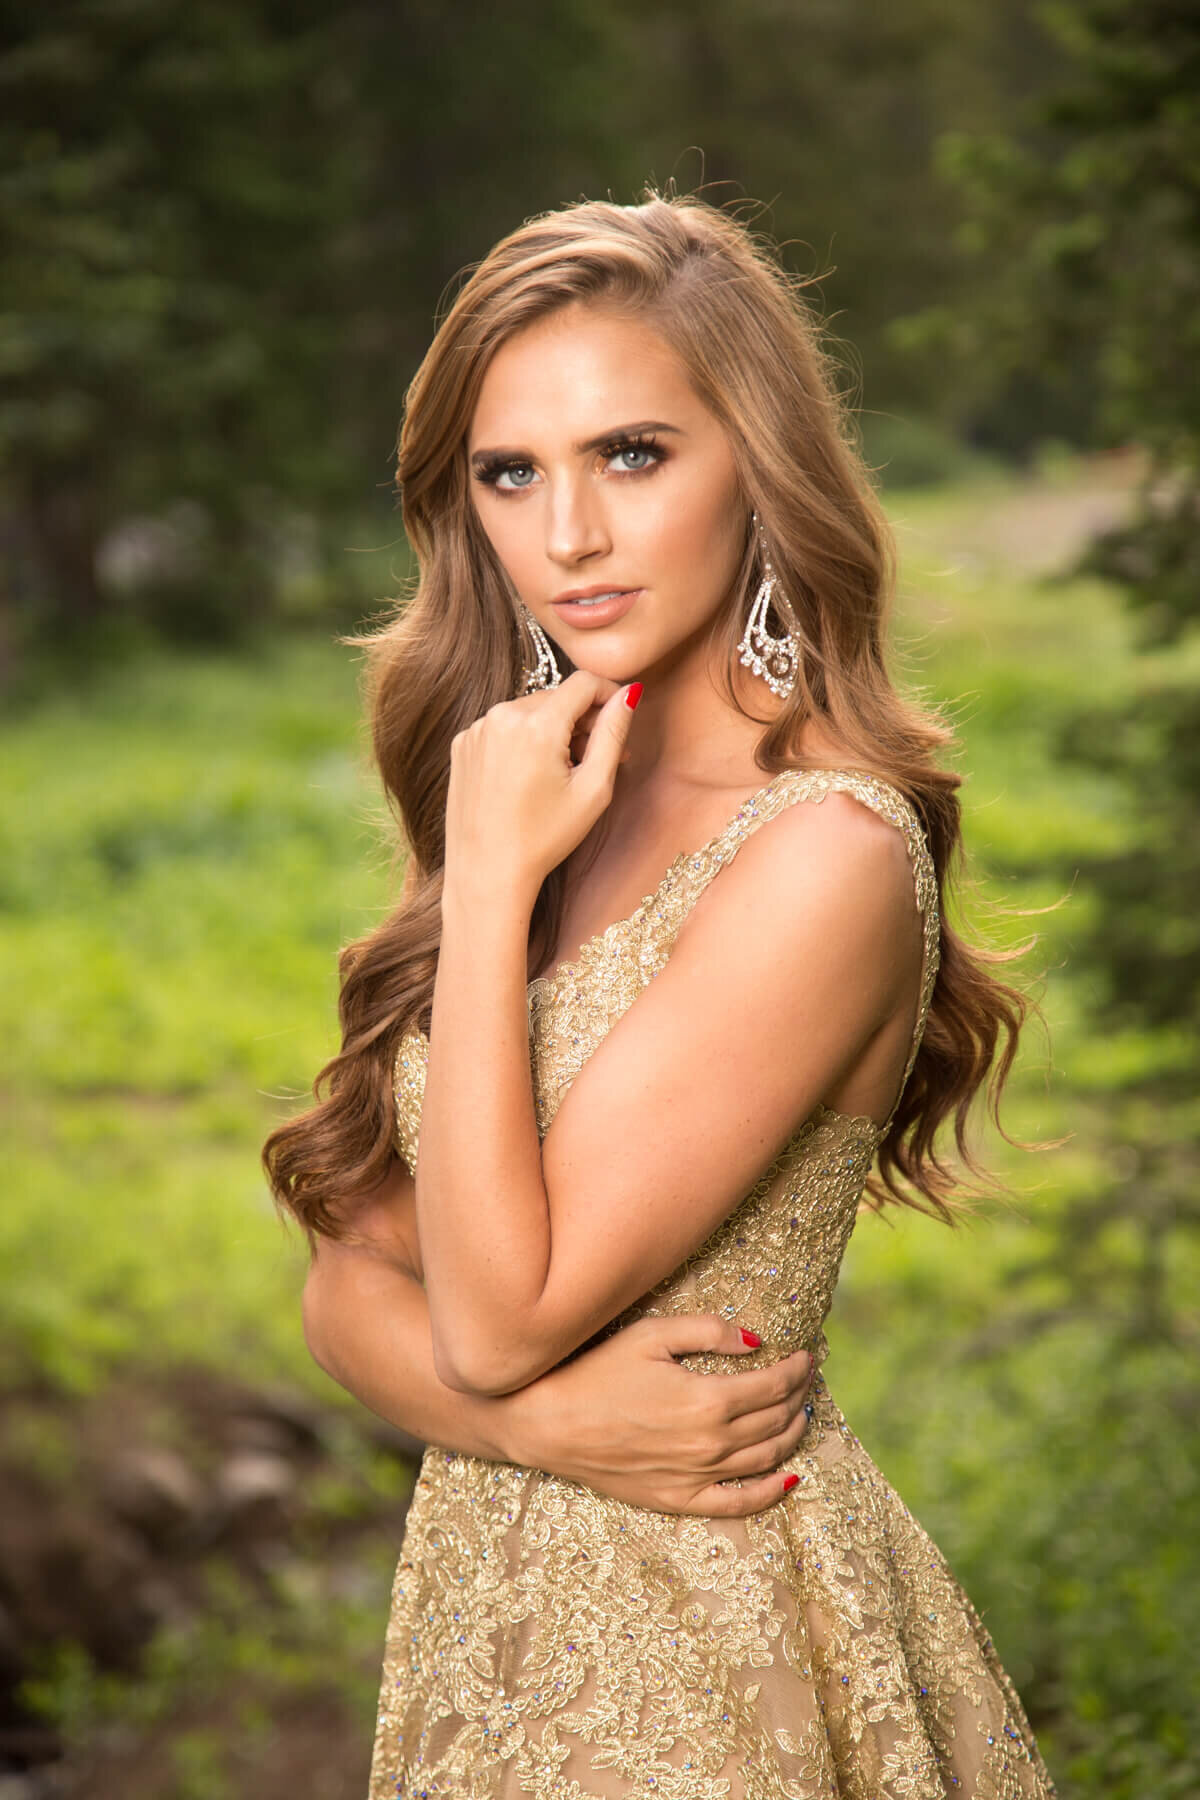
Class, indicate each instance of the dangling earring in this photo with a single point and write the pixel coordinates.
(546, 672)
(776, 659)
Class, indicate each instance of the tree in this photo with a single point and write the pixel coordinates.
(169, 169)
(226, 225)
(1090, 239)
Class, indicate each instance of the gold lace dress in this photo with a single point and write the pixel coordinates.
(546, 1640)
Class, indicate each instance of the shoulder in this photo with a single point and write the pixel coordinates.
(831, 841)
(820, 893)
(823, 887)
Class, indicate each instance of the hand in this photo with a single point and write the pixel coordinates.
(517, 803)
(626, 1419)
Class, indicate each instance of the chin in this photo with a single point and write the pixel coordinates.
(611, 668)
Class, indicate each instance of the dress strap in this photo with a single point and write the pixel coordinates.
(690, 874)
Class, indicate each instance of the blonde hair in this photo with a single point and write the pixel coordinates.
(745, 333)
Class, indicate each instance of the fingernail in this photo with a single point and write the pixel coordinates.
(633, 694)
(789, 1482)
(750, 1337)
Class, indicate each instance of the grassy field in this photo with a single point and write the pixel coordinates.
(185, 843)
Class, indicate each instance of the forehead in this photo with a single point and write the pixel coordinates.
(578, 372)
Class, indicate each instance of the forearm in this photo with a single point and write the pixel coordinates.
(367, 1325)
(481, 1204)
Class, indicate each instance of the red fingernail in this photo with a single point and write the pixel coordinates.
(750, 1337)
(633, 694)
(789, 1482)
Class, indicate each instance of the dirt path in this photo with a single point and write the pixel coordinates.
(1044, 523)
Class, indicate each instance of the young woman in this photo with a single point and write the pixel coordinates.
(595, 1099)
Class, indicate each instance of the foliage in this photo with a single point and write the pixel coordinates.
(1110, 232)
(226, 228)
(181, 849)
(184, 844)
(296, 1653)
(205, 210)
(225, 231)
(1092, 242)
(159, 355)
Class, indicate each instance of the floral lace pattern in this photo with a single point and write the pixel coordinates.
(546, 1640)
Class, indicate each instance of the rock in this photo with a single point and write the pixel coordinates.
(253, 1481)
(156, 1492)
(19, 1787)
(278, 1420)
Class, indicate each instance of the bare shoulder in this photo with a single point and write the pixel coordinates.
(821, 893)
(837, 849)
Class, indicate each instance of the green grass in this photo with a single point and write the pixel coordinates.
(184, 844)
(182, 848)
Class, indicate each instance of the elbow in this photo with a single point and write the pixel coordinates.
(483, 1370)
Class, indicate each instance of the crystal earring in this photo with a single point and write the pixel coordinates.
(776, 659)
(546, 672)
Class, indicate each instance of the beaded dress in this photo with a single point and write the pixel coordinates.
(546, 1640)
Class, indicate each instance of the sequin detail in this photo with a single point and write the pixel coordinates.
(545, 1640)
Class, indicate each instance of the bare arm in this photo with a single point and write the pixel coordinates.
(623, 1418)
(798, 969)
(367, 1324)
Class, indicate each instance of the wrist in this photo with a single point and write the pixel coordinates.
(501, 902)
(529, 1427)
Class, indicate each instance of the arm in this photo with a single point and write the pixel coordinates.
(367, 1324)
(530, 1248)
(623, 1418)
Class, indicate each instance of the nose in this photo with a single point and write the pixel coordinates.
(576, 523)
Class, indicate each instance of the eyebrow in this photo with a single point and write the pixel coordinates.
(594, 443)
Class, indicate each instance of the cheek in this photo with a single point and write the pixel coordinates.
(701, 531)
(504, 534)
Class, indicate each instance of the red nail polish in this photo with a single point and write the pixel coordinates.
(789, 1482)
(633, 694)
(750, 1337)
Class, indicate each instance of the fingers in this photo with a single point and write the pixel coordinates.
(757, 1389)
(689, 1334)
(572, 698)
(608, 736)
(753, 1496)
(751, 1429)
(765, 1454)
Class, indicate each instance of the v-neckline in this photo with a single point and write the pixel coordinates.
(572, 964)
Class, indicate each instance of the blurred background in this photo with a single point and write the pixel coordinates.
(226, 228)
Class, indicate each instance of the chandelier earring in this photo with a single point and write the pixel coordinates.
(776, 659)
(545, 672)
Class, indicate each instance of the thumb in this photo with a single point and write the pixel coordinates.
(608, 735)
(687, 1333)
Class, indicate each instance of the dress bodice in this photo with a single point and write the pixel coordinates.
(548, 1641)
(774, 1261)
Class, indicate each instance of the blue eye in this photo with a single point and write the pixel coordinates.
(622, 456)
(513, 470)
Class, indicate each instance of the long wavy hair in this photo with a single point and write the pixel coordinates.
(744, 330)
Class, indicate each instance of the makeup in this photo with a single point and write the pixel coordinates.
(594, 610)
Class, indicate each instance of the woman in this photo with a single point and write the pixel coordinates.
(652, 572)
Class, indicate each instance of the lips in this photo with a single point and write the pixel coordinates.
(591, 593)
(596, 606)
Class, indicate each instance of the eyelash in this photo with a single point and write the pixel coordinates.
(489, 473)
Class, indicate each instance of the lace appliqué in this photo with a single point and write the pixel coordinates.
(545, 1640)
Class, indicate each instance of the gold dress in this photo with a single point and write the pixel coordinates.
(546, 1640)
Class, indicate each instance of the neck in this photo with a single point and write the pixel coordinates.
(688, 734)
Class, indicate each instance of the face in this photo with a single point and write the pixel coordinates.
(597, 471)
